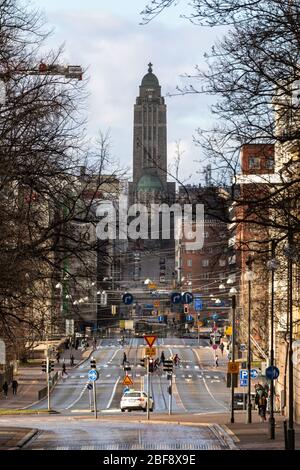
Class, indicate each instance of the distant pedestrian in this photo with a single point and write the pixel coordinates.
(5, 389)
(57, 357)
(162, 358)
(64, 370)
(222, 348)
(72, 360)
(15, 387)
(176, 360)
(124, 359)
(216, 361)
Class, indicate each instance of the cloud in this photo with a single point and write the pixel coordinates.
(116, 50)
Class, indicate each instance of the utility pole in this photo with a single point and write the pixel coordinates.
(148, 387)
(272, 267)
(249, 277)
(233, 305)
(290, 430)
(48, 380)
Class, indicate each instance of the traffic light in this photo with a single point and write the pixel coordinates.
(142, 362)
(168, 366)
(93, 364)
(51, 366)
(44, 366)
(151, 365)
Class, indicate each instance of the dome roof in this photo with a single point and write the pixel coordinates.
(150, 80)
(149, 183)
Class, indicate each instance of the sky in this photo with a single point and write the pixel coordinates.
(106, 38)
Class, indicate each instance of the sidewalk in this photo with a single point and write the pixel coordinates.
(31, 379)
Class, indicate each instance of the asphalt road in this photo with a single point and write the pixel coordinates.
(197, 386)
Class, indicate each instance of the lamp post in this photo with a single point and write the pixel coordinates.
(272, 266)
(232, 294)
(249, 278)
(290, 252)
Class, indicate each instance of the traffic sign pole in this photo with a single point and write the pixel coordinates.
(48, 381)
(233, 306)
(95, 399)
(148, 387)
(170, 394)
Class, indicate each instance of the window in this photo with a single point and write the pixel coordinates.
(205, 263)
(204, 275)
(269, 164)
(254, 163)
(190, 263)
(222, 262)
(206, 234)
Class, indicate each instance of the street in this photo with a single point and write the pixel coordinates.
(198, 387)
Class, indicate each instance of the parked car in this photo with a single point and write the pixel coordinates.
(136, 400)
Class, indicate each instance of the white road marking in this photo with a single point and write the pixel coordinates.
(207, 376)
(82, 376)
(206, 386)
(113, 393)
(216, 377)
(108, 375)
(212, 381)
(196, 367)
(74, 402)
(114, 355)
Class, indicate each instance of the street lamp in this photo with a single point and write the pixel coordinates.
(249, 278)
(232, 294)
(272, 265)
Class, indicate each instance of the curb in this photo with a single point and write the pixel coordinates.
(28, 436)
(222, 435)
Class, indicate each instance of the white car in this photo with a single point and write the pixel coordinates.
(136, 400)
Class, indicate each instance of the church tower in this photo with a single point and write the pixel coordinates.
(150, 142)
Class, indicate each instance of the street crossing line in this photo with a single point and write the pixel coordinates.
(113, 393)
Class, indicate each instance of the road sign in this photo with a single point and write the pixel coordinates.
(150, 340)
(127, 380)
(161, 318)
(243, 347)
(152, 286)
(233, 367)
(189, 318)
(93, 375)
(228, 331)
(175, 298)
(89, 386)
(198, 304)
(156, 303)
(127, 298)
(244, 374)
(150, 351)
(215, 316)
(272, 372)
(215, 346)
(187, 298)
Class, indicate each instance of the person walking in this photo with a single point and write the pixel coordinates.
(15, 387)
(216, 361)
(162, 358)
(124, 359)
(261, 401)
(57, 357)
(5, 389)
(222, 348)
(72, 360)
(64, 370)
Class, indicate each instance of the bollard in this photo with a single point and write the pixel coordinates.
(285, 434)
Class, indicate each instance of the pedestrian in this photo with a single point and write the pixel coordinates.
(5, 389)
(162, 357)
(72, 360)
(57, 357)
(216, 361)
(64, 370)
(261, 401)
(14, 387)
(176, 360)
(222, 348)
(124, 359)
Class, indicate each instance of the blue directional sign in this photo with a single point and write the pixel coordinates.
(175, 298)
(93, 375)
(215, 316)
(272, 372)
(198, 304)
(127, 298)
(189, 318)
(187, 298)
(161, 318)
